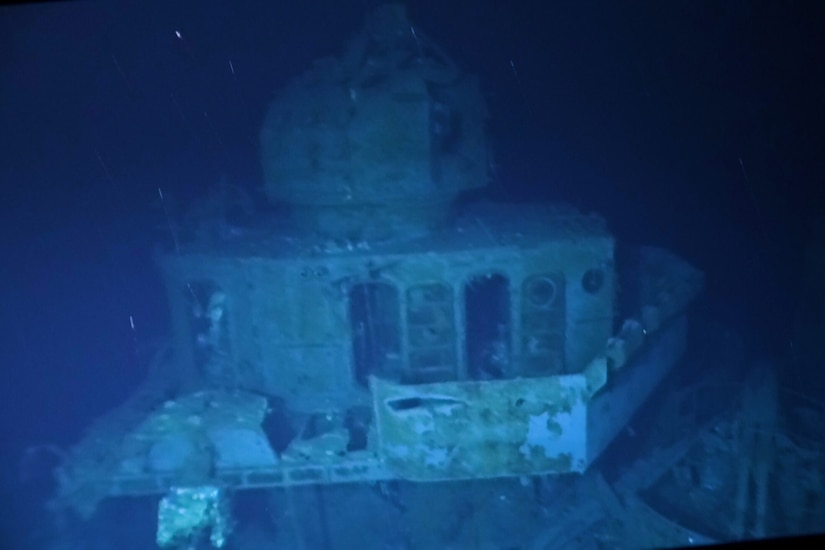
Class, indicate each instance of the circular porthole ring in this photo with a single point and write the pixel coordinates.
(545, 297)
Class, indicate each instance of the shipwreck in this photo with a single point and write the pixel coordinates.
(389, 343)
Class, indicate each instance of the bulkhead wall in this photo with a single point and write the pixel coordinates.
(296, 327)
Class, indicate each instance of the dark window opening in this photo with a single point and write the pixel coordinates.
(487, 309)
(430, 334)
(376, 344)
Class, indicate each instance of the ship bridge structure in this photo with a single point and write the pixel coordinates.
(382, 329)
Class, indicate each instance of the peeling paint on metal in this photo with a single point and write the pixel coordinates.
(458, 430)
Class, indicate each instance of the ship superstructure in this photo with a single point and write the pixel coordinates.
(386, 330)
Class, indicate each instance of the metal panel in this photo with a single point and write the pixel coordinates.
(459, 430)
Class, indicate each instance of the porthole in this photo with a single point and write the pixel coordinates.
(541, 292)
(593, 280)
